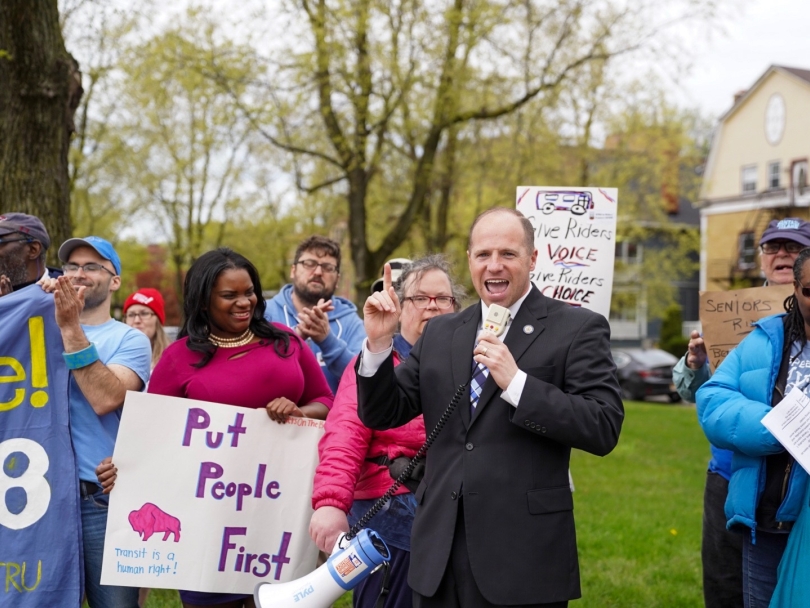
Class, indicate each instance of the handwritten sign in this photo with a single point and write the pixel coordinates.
(575, 236)
(728, 316)
(39, 495)
(789, 422)
(209, 497)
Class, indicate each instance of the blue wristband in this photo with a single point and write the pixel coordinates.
(81, 358)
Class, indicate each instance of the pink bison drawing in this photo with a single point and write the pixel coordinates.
(150, 519)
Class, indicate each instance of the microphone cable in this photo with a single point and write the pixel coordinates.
(406, 473)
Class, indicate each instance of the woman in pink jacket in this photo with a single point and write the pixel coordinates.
(350, 475)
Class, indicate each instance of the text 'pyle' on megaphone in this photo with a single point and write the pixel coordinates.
(346, 567)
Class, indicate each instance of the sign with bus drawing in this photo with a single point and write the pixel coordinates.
(575, 237)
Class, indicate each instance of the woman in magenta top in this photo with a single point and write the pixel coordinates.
(227, 353)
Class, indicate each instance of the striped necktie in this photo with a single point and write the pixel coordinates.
(479, 376)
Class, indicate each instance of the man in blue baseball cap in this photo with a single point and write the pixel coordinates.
(106, 358)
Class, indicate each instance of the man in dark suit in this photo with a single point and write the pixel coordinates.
(495, 525)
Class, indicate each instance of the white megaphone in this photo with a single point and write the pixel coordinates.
(346, 567)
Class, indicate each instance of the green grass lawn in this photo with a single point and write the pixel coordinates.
(638, 514)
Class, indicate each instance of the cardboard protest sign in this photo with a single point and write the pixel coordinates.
(209, 497)
(40, 532)
(728, 316)
(575, 236)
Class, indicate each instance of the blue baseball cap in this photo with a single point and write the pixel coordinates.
(103, 248)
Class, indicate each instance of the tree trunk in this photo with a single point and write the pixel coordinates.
(41, 89)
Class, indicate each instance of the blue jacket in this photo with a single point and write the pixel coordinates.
(730, 408)
(687, 382)
(346, 332)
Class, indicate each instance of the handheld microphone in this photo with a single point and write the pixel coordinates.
(497, 319)
(344, 569)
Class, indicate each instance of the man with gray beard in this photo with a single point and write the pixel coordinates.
(23, 244)
(106, 358)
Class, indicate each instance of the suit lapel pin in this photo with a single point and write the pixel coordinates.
(528, 329)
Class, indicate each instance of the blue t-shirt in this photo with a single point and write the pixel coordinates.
(93, 435)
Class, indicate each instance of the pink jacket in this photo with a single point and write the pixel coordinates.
(343, 474)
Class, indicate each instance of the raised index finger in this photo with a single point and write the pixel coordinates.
(387, 277)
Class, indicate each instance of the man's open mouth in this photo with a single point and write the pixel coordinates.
(496, 286)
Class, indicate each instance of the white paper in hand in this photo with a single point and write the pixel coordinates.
(789, 422)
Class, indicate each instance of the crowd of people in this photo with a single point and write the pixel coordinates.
(755, 491)
(491, 507)
(548, 387)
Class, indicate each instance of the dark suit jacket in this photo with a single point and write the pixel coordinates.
(511, 464)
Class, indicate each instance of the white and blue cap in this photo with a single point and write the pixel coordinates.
(397, 266)
(790, 229)
(103, 247)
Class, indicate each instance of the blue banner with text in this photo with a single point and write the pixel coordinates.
(40, 522)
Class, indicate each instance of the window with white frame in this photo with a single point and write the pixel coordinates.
(800, 176)
(773, 174)
(747, 251)
(749, 179)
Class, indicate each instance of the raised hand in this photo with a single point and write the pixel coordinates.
(697, 355)
(381, 314)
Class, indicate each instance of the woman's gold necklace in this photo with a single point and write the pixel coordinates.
(245, 338)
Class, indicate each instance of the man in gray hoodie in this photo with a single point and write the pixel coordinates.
(328, 323)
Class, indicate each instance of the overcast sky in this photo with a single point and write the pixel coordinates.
(760, 33)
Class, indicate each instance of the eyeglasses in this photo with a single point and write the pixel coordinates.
(71, 268)
(3, 241)
(424, 301)
(805, 290)
(775, 246)
(143, 315)
(311, 265)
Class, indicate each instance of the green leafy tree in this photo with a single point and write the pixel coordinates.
(671, 339)
(188, 158)
(372, 98)
(99, 33)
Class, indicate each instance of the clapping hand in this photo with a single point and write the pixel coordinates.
(69, 302)
(314, 322)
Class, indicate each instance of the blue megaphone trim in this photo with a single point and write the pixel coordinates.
(351, 565)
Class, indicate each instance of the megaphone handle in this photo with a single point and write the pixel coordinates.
(361, 523)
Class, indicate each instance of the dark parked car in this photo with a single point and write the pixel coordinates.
(645, 372)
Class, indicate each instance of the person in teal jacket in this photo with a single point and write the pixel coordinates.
(793, 575)
(766, 486)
